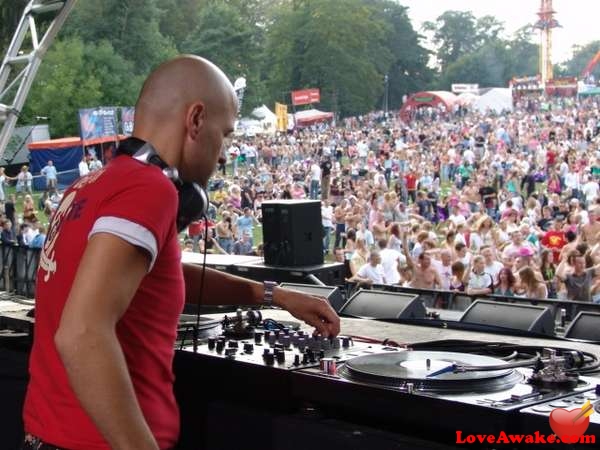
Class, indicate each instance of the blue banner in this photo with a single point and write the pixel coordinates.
(98, 122)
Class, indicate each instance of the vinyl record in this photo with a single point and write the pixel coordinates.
(417, 367)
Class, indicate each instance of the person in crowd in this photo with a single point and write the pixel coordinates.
(7, 235)
(505, 286)
(457, 282)
(531, 285)
(370, 273)
(424, 274)
(29, 211)
(243, 246)
(480, 282)
(360, 256)
(391, 261)
(83, 167)
(102, 354)
(50, 173)
(225, 232)
(24, 181)
(39, 238)
(578, 282)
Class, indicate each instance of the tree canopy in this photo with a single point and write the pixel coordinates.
(346, 48)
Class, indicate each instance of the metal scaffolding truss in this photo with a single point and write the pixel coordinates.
(23, 58)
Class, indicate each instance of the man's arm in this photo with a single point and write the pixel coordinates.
(221, 288)
(87, 342)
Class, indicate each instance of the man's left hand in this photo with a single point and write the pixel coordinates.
(313, 310)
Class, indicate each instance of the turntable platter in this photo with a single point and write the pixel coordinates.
(416, 367)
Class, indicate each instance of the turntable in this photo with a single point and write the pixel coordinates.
(429, 390)
(432, 372)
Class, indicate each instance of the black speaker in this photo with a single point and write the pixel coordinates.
(384, 305)
(537, 319)
(292, 233)
(331, 293)
(586, 325)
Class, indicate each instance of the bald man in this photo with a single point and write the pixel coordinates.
(110, 285)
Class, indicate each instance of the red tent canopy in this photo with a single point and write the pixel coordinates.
(427, 98)
(311, 116)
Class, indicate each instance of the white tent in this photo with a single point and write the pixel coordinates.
(496, 100)
(262, 120)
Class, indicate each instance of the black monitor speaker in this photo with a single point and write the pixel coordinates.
(331, 293)
(536, 319)
(384, 305)
(292, 233)
(585, 325)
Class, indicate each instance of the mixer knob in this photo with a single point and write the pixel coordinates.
(266, 351)
(272, 339)
(296, 359)
(286, 331)
(597, 390)
(326, 344)
(258, 337)
(286, 341)
(301, 343)
(267, 334)
(321, 354)
(231, 351)
(294, 339)
(233, 344)
(305, 358)
(280, 357)
(346, 341)
(269, 359)
(211, 343)
(220, 345)
(248, 347)
(335, 343)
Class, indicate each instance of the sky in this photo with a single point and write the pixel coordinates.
(576, 17)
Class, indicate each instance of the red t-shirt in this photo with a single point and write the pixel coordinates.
(143, 203)
(554, 240)
(411, 182)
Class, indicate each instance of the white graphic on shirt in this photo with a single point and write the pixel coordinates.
(47, 258)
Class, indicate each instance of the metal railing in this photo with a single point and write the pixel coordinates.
(18, 269)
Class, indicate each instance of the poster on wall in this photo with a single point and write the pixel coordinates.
(98, 122)
(127, 117)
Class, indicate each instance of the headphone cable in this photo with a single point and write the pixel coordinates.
(197, 329)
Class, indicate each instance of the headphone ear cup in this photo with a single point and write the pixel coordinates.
(193, 204)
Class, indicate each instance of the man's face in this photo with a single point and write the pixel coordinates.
(488, 255)
(205, 139)
(579, 264)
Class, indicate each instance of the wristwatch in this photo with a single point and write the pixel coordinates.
(268, 298)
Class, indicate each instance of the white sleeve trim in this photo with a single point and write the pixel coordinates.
(129, 231)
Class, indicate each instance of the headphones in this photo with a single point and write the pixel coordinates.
(193, 200)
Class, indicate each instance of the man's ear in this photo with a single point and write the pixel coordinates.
(195, 118)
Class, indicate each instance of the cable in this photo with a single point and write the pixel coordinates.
(196, 331)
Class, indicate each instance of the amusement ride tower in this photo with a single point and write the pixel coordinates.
(545, 24)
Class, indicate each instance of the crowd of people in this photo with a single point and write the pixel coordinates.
(503, 204)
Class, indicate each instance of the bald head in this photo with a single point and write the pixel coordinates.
(185, 102)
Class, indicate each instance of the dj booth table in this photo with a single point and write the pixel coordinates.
(254, 267)
(230, 402)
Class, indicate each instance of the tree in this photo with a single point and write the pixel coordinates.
(581, 57)
(63, 86)
(339, 47)
(131, 26)
(76, 75)
(454, 35)
(224, 37)
(10, 14)
(409, 71)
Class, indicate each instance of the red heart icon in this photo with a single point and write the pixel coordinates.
(561, 422)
